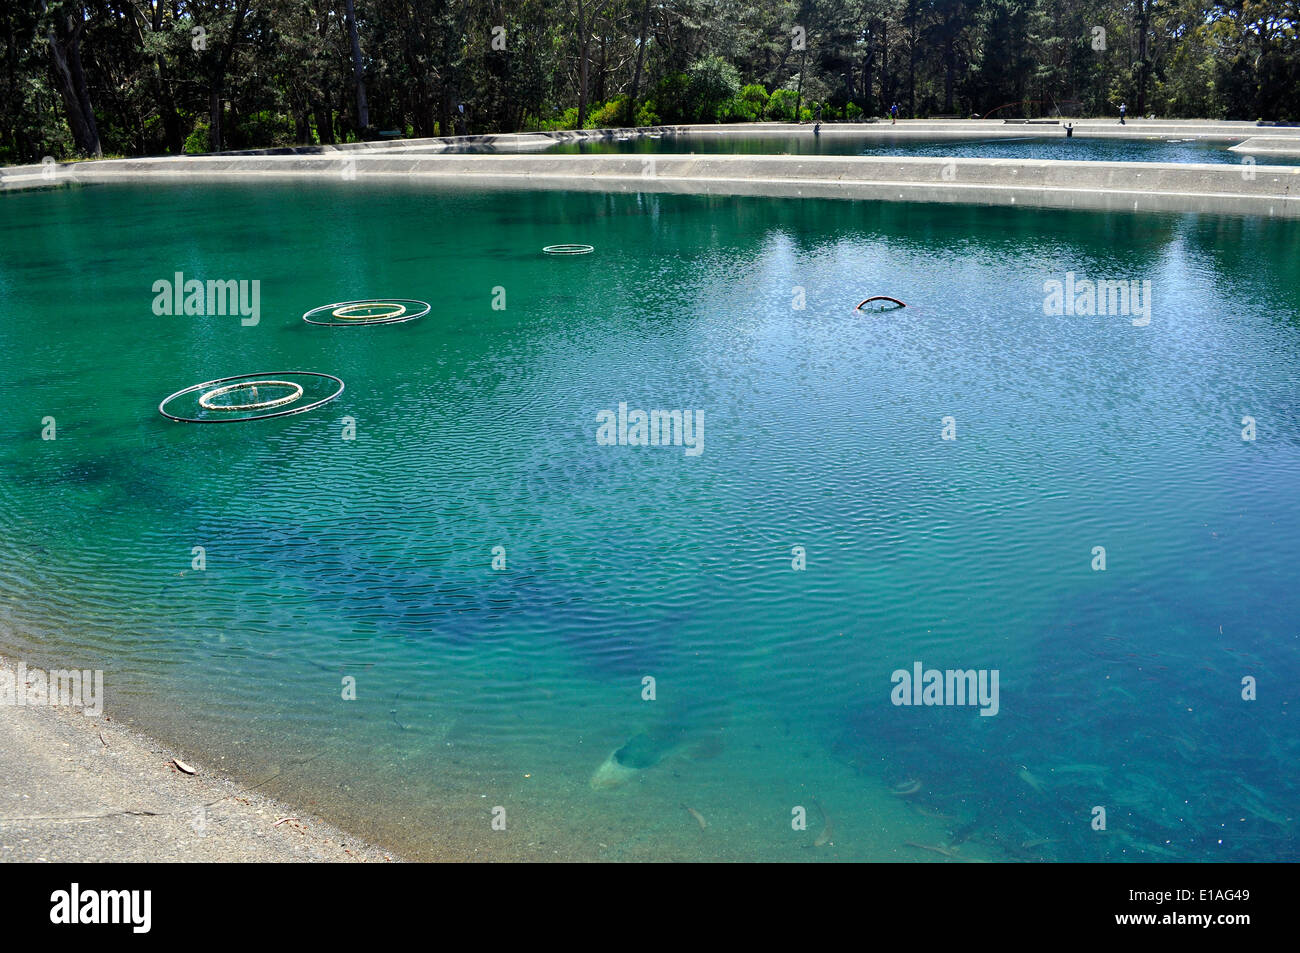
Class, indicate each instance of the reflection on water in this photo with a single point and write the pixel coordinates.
(681, 657)
(1051, 145)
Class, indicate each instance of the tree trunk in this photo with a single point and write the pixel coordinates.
(444, 113)
(214, 120)
(65, 52)
(217, 79)
(868, 68)
(950, 68)
(1143, 18)
(301, 122)
(798, 92)
(640, 58)
(173, 132)
(584, 50)
(324, 120)
(911, 77)
(363, 110)
(884, 67)
(585, 23)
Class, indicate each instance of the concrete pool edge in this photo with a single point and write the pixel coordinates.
(1249, 189)
(1284, 140)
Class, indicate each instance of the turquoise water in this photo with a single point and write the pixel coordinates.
(1052, 146)
(476, 427)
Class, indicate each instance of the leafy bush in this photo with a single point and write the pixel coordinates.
(780, 106)
(612, 113)
(713, 82)
(566, 120)
(198, 140)
(670, 98)
(646, 115)
(748, 105)
(755, 99)
(737, 110)
(263, 130)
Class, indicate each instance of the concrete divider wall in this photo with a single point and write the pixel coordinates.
(1233, 189)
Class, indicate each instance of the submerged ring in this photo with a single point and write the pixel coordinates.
(569, 249)
(205, 400)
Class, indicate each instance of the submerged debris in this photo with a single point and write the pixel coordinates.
(827, 836)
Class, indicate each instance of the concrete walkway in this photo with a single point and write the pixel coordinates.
(1252, 188)
(956, 129)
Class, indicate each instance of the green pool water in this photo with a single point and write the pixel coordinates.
(1030, 146)
(476, 427)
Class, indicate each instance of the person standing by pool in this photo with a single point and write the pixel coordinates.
(893, 114)
(1069, 131)
(1123, 108)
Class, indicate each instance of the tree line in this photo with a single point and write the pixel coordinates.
(144, 77)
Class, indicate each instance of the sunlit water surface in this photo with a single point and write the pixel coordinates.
(329, 559)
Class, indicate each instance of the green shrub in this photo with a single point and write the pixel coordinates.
(646, 115)
(264, 130)
(755, 97)
(566, 120)
(612, 113)
(198, 140)
(780, 106)
(713, 82)
(748, 105)
(670, 98)
(737, 110)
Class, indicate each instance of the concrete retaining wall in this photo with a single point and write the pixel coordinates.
(1270, 191)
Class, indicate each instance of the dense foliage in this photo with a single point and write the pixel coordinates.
(134, 77)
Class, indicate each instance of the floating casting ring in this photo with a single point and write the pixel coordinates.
(261, 377)
(347, 311)
(342, 314)
(569, 249)
(205, 400)
(880, 298)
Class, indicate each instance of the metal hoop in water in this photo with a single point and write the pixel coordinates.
(342, 314)
(569, 249)
(224, 412)
(347, 311)
(205, 400)
(894, 301)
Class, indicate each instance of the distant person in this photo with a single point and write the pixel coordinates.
(1123, 110)
(893, 114)
(1069, 131)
